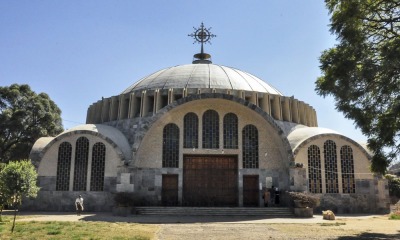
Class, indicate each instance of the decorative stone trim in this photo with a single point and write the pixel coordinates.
(76, 132)
(313, 138)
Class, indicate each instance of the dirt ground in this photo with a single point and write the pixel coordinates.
(348, 228)
(344, 228)
(198, 228)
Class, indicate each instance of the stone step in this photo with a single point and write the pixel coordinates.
(215, 211)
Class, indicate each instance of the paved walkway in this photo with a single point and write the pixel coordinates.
(108, 217)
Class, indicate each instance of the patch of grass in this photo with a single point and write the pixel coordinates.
(331, 224)
(395, 216)
(78, 230)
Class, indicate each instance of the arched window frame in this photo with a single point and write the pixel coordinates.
(347, 167)
(331, 169)
(98, 167)
(314, 169)
(191, 131)
(210, 130)
(170, 158)
(81, 164)
(230, 131)
(250, 146)
(63, 166)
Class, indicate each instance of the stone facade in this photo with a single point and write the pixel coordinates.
(131, 127)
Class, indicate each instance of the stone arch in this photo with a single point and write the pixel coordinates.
(190, 98)
(64, 135)
(313, 138)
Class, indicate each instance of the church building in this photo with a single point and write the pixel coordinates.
(203, 134)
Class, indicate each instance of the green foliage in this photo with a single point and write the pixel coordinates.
(395, 216)
(394, 185)
(362, 72)
(24, 117)
(17, 180)
(78, 230)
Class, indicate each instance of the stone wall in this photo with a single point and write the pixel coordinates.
(64, 201)
(371, 197)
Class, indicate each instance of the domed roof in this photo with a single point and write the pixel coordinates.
(202, 76)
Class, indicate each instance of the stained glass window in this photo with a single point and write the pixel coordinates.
(171, 146)
(191, 131)
(98, 166)
(63, 166)
(81, 164)
(210, 129)
(314, 169)
(347, 162)
(250, 146)
(230, 131)
(331, 173)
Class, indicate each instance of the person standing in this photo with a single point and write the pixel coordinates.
(272, 195)
(277, 193)
(79, 205)
(266, 196)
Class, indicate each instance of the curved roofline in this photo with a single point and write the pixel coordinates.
(256, 84)
(223, 96)
(124, 155)
(307, 140)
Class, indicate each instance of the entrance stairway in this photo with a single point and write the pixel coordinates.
(216, 211)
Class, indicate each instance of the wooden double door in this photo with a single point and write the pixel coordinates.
(210, 181)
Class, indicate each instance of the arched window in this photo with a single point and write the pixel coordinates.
(210, 129)
(331, 173)
(250, 146)
(191, 131)
(230, 131)
(63, 166)
(347, 162)
(81, 164)
(170, 146)
(314, 169)
(98, 166)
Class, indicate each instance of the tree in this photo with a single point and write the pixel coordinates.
(18, 180)
(3, 198)
(362, 72)
(24, 117)
(394, 187)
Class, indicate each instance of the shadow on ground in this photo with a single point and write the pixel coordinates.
(367, 235)
(170, 219)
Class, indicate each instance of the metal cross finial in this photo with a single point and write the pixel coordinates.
(202, 35)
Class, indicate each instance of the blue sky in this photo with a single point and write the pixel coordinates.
(80, 51)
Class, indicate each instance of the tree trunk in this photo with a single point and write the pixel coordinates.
(15, 216)
(1, 212)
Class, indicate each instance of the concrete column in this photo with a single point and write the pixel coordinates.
(171, 96)
(286, 113)
(114, 108)
(123, 106)
(105, 110)
(339, 167)
(276, 107)
(265, 104)
(253, 98)
(143, 107)
(157, 100)
(71, 171)
(89, 168)
(302, 113)
(295, 110)
(97, 108)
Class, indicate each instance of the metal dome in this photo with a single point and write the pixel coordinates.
(202, 76)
